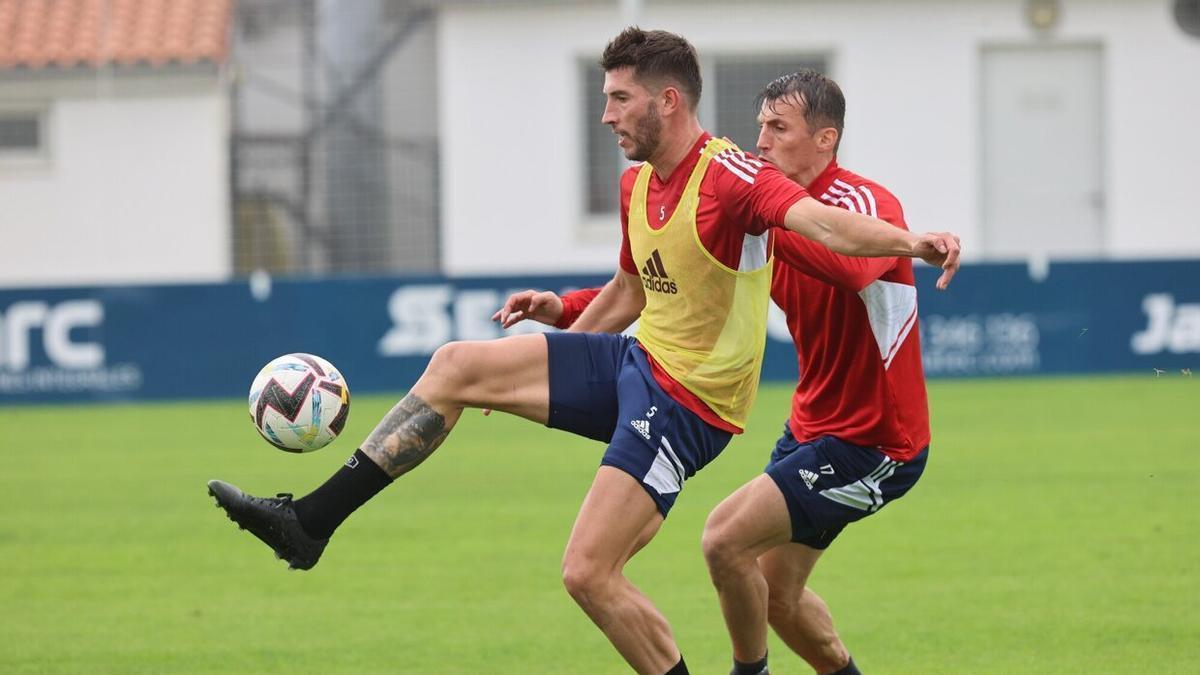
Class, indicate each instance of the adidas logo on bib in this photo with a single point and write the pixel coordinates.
(809, 477)
(654, 275)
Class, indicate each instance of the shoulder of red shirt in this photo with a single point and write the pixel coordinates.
(750, 189)
(736, 174)
(841, 188)
(751, 195)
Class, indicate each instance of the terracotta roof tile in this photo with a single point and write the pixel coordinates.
(38, 34)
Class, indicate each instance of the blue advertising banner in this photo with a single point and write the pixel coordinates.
(1080, 317)
(143, 342)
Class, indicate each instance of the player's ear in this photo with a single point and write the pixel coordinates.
(671, 100)
(827, 139)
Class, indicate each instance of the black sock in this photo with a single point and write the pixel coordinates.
(850, 669)
(322, 510)
(757, 668)
(679, 668)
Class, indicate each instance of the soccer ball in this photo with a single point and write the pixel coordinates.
(299, 402)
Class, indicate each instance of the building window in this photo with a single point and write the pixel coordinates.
(731, 83)
(603, 160)
(20, 132)
(737, 82)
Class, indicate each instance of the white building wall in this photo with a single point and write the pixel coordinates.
(508, 102)
(133, 187)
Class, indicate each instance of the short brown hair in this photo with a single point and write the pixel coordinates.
(656, 55)
(824, 103)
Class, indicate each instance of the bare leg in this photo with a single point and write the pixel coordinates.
(510, 374)
(618, 518)
(647, 534)
(748, 523)
(799, 616)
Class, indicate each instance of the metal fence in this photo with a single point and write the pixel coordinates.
(334, 157)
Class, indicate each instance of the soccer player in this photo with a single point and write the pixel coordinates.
(667, 402)
(858, 434)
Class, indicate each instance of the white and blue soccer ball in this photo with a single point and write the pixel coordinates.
(299, 402)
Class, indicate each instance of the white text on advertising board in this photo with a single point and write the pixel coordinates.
(988, 344)
(33, 330)
(425, 317)
(1170, 327)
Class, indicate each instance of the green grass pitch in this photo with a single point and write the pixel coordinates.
(1056, 530)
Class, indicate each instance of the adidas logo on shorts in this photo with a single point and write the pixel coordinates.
(643, 427)
(809, 477)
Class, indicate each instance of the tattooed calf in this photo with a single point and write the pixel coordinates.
(406, 436)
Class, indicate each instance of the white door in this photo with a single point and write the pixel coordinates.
(1042, 152)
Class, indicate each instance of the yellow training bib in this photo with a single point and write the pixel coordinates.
(704, 323)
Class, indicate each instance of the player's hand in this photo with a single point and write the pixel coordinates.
(544, 306)
(940, 249)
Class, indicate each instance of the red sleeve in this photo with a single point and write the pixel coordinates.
(752, 193)
(835, 269)
(844, 272)
(626, 259)
(573, 305)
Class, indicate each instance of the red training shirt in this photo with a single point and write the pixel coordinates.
(854, 324)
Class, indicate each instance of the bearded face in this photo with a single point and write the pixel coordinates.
(643, 139)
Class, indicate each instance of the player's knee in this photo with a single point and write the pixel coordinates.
(585, 581)
(448, 367)
(721, 549)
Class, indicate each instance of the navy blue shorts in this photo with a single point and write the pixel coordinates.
(829, 483)
(601, 387)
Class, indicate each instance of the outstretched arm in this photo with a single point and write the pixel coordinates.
(855, 234)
